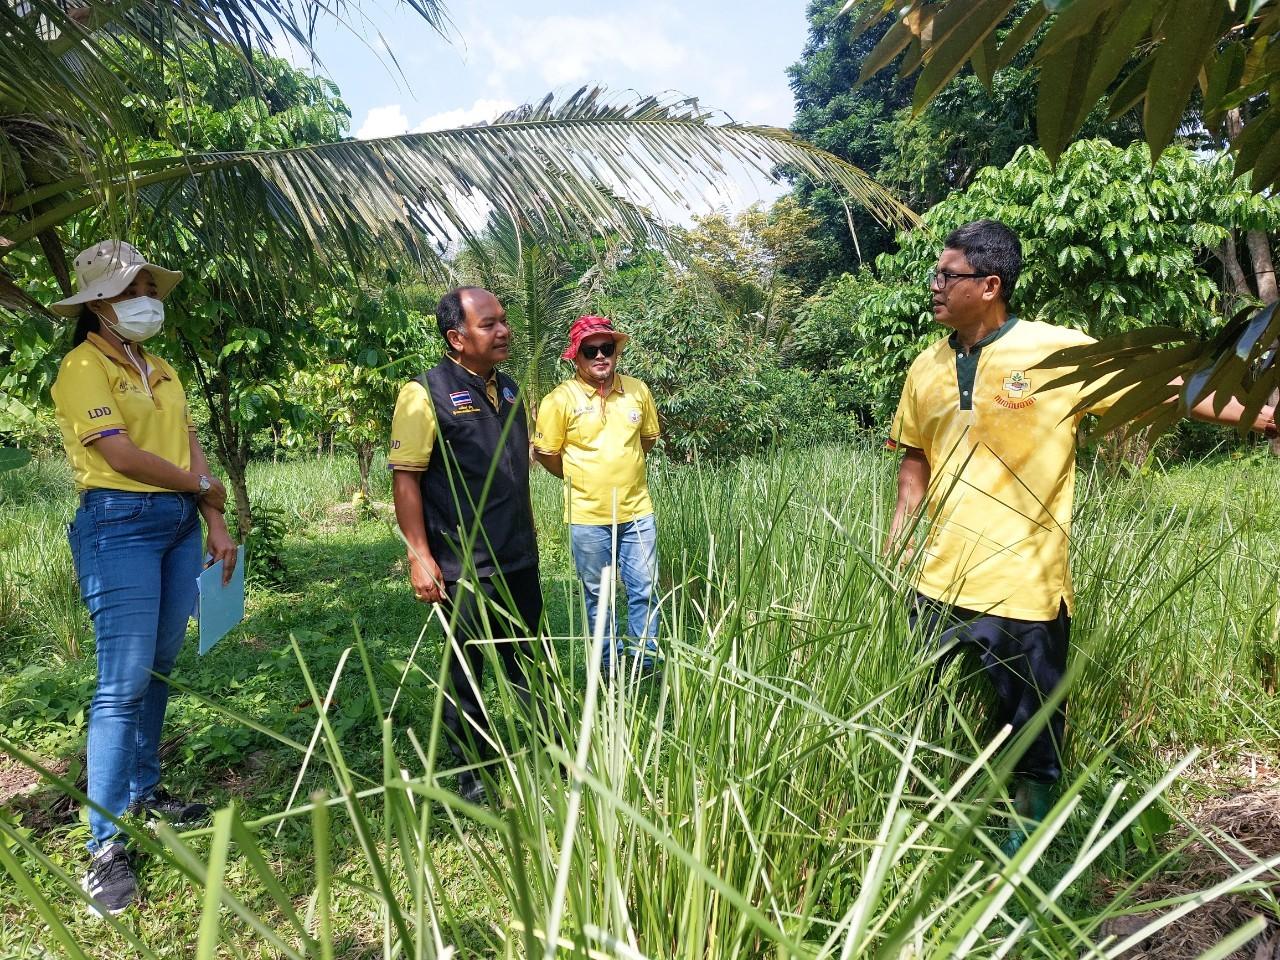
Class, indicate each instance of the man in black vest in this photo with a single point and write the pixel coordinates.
(460, 456)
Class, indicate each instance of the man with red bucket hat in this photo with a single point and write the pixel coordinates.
(593, 431)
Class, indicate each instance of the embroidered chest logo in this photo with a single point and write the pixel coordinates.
(634, 416)
(1019, 387)
(462, 402)
(509, 395)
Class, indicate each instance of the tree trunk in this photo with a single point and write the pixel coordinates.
(364, 457)
(237, 478)
(232, 447)
(1235, 273)
(1264, 267)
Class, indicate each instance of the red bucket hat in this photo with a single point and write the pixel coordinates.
(585, 327)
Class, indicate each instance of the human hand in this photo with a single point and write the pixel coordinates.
(220, 546)
(427, 580)
(216, 495)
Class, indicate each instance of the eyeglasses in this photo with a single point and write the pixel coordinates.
(942, 278)
(593, 350)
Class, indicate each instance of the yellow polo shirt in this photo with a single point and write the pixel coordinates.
(413, 424)
(1001, 452)
(600, 441)
(100, 392)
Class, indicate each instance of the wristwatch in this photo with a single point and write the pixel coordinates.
(205, 485)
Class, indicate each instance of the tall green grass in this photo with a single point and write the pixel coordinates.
(793, 786)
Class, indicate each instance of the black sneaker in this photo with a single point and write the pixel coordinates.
(162, 805)
(471, 788)
(109, 881)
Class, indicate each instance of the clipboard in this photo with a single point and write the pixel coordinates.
(221, 608)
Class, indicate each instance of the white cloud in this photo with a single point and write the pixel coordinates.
(481, 111)
(569, 49)
(388, 121)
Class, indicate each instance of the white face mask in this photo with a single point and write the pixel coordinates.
(138, 319)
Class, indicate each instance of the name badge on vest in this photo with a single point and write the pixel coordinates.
(462, 402)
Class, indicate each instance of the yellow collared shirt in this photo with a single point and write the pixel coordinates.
(1001, 452)
(599, 439)
(100, 392)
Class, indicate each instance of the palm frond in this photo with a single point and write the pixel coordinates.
(577, 169)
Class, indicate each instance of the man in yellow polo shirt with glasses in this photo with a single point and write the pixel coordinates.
(993, 452)
(594, 431)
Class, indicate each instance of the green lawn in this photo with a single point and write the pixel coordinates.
(733, 809)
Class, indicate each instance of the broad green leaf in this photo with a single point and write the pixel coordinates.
(1078, 19)
(893, 42)
(1122, 35)
(11, 458)
(1021, 35)
(1191, 31)
(984, 61)
(1224, 75)
(1061, 105)
(1131, 90)
(950, 51)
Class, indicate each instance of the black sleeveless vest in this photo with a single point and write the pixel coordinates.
(470, 446)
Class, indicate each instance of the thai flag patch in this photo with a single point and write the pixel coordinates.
(460, 399)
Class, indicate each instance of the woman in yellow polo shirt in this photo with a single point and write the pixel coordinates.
(143, 482)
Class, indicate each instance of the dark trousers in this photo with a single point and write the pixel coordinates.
(520, 595)
(1025, 660)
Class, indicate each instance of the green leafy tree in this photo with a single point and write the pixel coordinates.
(752, 261)
(865, 116)
(721, 387)
(1111, 246)
(369, 344)
(238, 330)
(1158, 56)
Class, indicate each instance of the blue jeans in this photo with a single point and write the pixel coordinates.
(636, 562)
(137, 557)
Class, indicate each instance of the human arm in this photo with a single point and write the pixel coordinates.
(554, 462)
(1231, 414)
(130, 461)
(650, 428)
(424, 572)
(549, 434)
(413, 437)
(913, 483)
(218, 542)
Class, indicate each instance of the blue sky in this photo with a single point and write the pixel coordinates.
(732, 54)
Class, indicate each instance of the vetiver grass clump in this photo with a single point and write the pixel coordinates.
(796, 784)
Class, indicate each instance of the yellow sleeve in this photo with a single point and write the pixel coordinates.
(1089, 387)
(413, 429)
(82, 396)
(173, 374)
(549, 430)
(905, 431)
(649, 426)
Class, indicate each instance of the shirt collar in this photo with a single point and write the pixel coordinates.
(990, 338)
(493, 374)
(155, 372)
(591, 390)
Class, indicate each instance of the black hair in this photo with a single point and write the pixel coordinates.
(992, 250)
(86, 324)
(450, 315)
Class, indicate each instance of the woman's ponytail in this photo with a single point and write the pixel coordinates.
(87, 324)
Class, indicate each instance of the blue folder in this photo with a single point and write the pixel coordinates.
(221, 607)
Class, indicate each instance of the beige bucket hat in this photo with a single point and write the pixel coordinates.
(106, 269)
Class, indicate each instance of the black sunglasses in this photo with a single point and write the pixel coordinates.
(591, 351)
